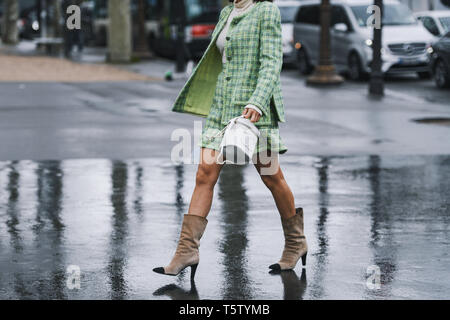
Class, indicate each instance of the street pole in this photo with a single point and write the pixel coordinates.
(44, 13)
(180, 50)
(39, 13)
(376, 84)
(325, 72)
(56, 4)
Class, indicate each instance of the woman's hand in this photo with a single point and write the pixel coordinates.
(251, 114)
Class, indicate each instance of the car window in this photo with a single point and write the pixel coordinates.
(393, 15)
(288, 13)
(445, 22)
(101, 9)
(308, 15)
(430, 25)
(338, 15)
(203, 11)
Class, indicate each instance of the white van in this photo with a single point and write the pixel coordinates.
(406, 43)
(436, 22)
(288, 10)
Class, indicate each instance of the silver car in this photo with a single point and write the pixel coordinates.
(406, 43)
(288, 10)
(436, 22)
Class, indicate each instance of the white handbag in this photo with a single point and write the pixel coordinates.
(239, 141)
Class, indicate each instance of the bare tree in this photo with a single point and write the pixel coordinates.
(119, 31)
(10, 32)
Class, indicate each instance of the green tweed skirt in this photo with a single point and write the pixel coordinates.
(269, 135)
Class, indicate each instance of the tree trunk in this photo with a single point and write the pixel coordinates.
(56, 7)
(119, 31)
(10, 32)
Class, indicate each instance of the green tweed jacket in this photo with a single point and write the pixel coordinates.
(251, 74)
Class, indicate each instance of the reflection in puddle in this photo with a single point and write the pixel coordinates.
(233, 216)
(116, 219)
(175, 292)
(119, 232)
(294, 287)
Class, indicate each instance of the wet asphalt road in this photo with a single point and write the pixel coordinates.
(124, 120)
(86, 180)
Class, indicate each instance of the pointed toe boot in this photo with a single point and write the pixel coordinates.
(295, 246)
(187, 254)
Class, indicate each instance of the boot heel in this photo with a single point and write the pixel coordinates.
(193, 270)
(304, 259)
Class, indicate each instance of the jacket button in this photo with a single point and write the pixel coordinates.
(228, 38)
(228, 78)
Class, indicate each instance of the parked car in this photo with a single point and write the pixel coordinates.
(288, 10)
(27, 23)
(199, 18)
(162, 19)
(405, 40)
(440, 61)
(436, 22)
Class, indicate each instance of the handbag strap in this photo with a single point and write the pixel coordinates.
(230, 124)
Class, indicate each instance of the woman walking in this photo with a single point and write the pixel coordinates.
(239, 74)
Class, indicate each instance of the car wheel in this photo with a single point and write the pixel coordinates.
(441, 76)
(424, 75)
(355, 72)
(304, 66)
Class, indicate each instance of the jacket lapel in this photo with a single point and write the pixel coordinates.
(243, 15)
(222, 22)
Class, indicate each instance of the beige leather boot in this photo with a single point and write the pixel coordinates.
(295, 246)
(186, 254)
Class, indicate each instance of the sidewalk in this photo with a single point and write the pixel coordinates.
(23, 63)
(153, 69)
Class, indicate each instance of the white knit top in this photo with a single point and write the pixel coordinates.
(239, 8)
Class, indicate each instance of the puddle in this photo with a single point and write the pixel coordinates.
(437, 120)
(116, 220)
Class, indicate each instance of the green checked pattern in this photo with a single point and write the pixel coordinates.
(251, 75)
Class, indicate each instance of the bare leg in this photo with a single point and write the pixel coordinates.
(282, 194)
(207, 174)
(295, 245)
(194, 223)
